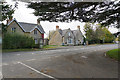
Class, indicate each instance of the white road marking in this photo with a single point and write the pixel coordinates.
(1, 76)
(76, 49)
(37, 71)
(68, 49)
(18, 54)
(58, 50)
(83, 56)
(32, 53)
(81, 48)
(31, 60)
(15, 62)
(56, 56)
(4, 64)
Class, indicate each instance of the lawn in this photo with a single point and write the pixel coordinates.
(115, 54)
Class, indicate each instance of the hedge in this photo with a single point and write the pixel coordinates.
(16, 41)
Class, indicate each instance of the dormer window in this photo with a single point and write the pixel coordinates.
(35, 31)
(13, 30)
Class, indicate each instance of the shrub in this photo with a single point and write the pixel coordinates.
(15, 41)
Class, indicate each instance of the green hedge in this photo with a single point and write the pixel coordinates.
(16, 41)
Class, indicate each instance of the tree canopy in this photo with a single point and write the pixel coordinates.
(106, 13)
(6, 11)
(98, 35)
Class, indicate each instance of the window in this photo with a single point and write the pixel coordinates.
(69, 40)
(13, 30)
(36, 41)
(35, 31)
(69, 33)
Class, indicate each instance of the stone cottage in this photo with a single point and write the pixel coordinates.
(67, 37)
(32, 30)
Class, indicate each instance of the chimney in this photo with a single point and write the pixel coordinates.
(57, 28)
(38, 21)
(78, 27)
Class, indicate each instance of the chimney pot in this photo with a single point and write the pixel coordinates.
(78, 27)
(57, 27)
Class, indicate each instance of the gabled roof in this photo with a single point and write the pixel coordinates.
(63, 32)
(28, 27)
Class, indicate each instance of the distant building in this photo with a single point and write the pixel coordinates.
(66, 37)
(32, 30)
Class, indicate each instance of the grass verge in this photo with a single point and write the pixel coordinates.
(115, 54)
(17, 50)
(47, 47)
(51, 46)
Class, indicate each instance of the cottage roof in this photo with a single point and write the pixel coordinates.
(28, 27)
(63, 32)
(60, 31)
(74, 32)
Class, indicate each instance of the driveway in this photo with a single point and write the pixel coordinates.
(71, 62)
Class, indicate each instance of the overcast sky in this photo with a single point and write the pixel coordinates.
(24, 14)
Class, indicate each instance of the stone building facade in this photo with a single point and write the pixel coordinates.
(67, 37)
(32, 30)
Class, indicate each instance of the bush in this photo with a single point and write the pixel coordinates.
(15, 41)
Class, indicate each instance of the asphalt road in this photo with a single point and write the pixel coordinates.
(70, 62)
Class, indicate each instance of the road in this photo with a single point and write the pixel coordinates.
(69, 62)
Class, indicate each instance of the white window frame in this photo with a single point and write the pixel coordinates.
(36, 41)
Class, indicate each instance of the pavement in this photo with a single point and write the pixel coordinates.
(69, 62)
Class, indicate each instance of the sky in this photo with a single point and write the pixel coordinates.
(24, 14)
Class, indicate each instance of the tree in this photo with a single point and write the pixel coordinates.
(109, 37)
(99, 35)
(99, 32)
(106, 13)
(89, 33)
(7, 11)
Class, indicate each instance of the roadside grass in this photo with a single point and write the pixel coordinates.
(17, 50)
(47, 47)
(51, 46)
(115, 54)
